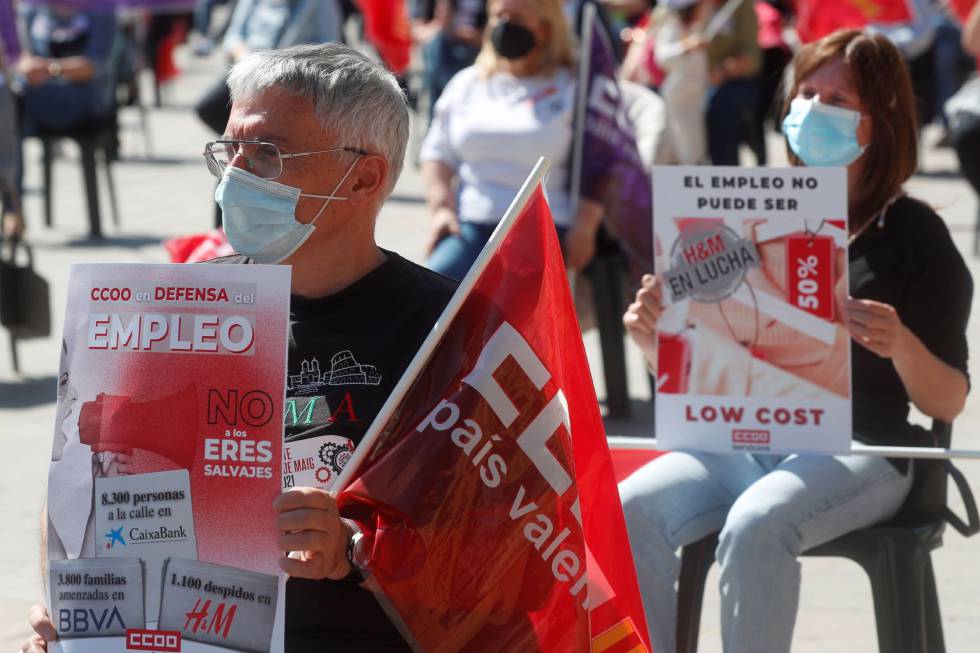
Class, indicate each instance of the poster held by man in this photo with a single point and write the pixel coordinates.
(167, 448)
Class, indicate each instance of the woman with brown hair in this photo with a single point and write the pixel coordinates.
(849, 103)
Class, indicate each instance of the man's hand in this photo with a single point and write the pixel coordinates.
(579, 246)
(877, 327)
(310, 527)
(642, 316)
(444, 223)
(44, 631)
(579, 241)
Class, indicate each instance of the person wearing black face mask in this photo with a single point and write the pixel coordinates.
(492, 123)
(512, 40)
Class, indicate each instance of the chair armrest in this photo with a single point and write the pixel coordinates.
(964, 529)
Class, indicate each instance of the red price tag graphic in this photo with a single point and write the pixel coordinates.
(810, 274)
(673, 363)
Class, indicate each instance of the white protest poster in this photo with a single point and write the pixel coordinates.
(752, 352)
(167, 456)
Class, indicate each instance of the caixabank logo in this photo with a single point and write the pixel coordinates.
(159, 641)
(115, 536)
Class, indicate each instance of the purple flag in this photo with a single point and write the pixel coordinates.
(8, 32)
(607, 165)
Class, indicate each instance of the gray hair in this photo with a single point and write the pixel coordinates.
(350, 94)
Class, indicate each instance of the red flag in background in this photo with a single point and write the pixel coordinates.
(386, 26)
(816, 19)
(962, 8)
(488, 498)
(195, 248)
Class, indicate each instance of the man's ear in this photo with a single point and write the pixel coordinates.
(370, 177)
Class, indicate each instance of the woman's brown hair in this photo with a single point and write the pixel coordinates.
(880, 76)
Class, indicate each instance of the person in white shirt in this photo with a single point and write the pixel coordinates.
(491, 124)
(680, 52)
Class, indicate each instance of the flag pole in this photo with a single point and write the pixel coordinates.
(581, 89)
(439, 329)
(719, 19)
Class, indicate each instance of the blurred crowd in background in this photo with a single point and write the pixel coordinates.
(68, 66)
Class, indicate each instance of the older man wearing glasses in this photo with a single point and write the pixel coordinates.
(313, 148)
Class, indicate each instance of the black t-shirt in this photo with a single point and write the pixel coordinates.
(911, 264)
(346, 353)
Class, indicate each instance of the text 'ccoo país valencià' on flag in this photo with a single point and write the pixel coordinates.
(485, 488)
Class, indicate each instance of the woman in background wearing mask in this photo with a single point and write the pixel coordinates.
(491, 124)
(850, 104)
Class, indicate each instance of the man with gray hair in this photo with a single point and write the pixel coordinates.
(313, 148)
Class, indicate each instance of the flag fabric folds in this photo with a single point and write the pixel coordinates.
(962, 8)
(488, 500)
(8, 32)
(607, 167)
(816, 19)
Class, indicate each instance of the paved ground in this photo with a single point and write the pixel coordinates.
(164, 190)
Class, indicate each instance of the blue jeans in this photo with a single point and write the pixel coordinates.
(455, 255)
(769, 509)
(728, 105)
(950, 63)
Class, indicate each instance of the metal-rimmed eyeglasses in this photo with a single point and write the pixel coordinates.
(260, 158)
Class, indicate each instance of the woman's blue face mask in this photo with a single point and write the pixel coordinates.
(821, 134)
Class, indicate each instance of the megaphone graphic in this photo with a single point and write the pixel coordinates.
(166, 426)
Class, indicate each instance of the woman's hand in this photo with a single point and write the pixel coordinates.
(310, 525)
(44, 631)
(877, 327)
(642, 316)
(935, 387)
(444, 223)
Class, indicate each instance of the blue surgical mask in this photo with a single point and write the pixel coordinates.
(821, 134)
(259, 215)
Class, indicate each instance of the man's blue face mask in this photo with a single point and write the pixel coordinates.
(821, 134)
(259, 215)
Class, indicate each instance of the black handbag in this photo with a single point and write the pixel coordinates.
(25, 303)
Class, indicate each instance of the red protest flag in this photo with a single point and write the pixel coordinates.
(486, 489)
(816, 19)
(962, 8)
(386, 25)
